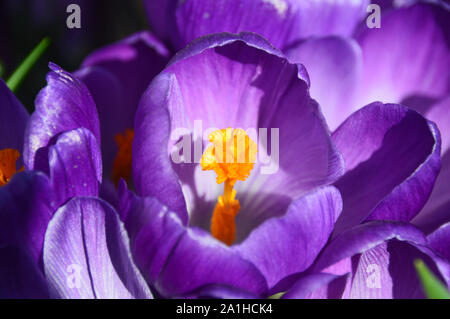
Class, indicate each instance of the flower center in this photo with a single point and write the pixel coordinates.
(8, 159)
(122, 162)
(232, 156)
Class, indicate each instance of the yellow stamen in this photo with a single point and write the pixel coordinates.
(122, 162)
(232, 156)
(8, 159)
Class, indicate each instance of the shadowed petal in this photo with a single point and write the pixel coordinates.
(27, 203)
(439, 240)
(13, 119)
(20, 277)
(86, 254)
(116, 76)
(437, 209)
(392, 157)
(286, 245)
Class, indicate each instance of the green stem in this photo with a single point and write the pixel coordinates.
(432, 287)
(19, 75)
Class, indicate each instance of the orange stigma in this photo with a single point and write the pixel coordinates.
(122, 162)
(8, 159)
(232, 156)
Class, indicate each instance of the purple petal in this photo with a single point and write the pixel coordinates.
(392, 157)
(290, 244)
(282, 22)
(26, 205)
(167, 254)
(317, 286)
(86, 254)
(13, 119)
(364, 237)
(204, 260)
(64, 104)
(437, 210)
(75, 165)
(334, 66)
(391, 73)
(387, 271)
(109, 97)
(234, 87)
(20, 277)
(439, 240)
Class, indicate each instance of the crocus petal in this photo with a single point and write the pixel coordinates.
(387, 271)
(75, 165)
(317, 286)
(26, 205)
(437, 209)
(13, 119)
(204, 260)
(392, 157)
(439, 240)
(282, 22)
(390, 72)
(86, 254)
(168, 254)
(116, 76)
(380, 257)
(64, 104)
(334, 67)
(364, 237)
(246, 97)
(109, 97)
(20, 277)
(219, 292)
(290, 244)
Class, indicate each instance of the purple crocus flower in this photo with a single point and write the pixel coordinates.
(58, 239)
(285, 219)
(350, 65)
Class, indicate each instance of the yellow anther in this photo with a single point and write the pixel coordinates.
(122, 162)
(232, 156)
(8, 159)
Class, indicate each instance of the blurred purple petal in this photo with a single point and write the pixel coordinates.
(334, 66)
(392, 157)
(26, 205)
(116, 76)
(407, 56)
(282, 22)
(20, 277)
(13, 119)
(86, 254)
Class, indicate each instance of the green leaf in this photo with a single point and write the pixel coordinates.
(19, 75)
(432, 287)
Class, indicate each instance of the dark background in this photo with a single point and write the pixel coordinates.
(24, 23)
